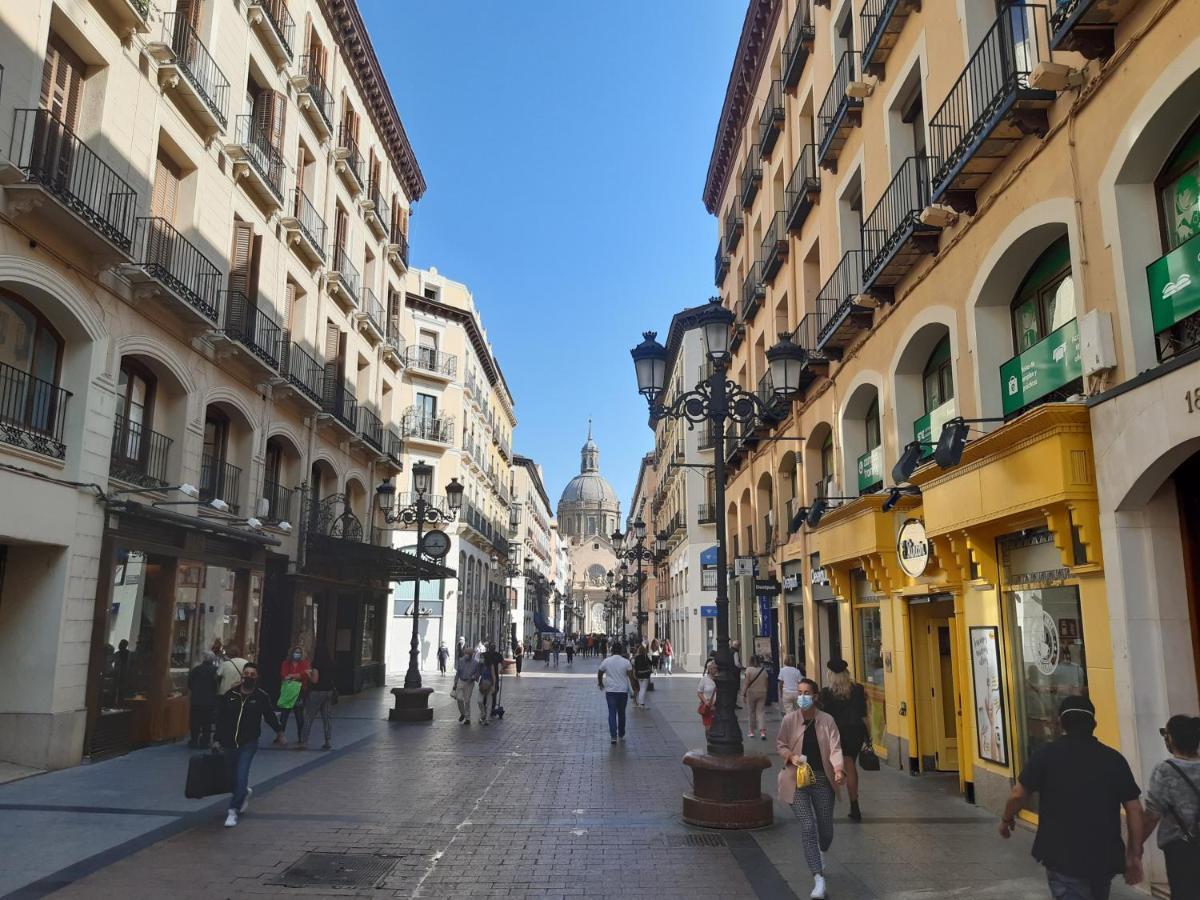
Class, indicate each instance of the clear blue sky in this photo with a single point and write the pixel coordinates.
(565, 145)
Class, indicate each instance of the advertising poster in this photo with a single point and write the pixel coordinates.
(989, 699)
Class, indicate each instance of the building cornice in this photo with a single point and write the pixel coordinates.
(739, 95)
(534, 476)
(355, 43)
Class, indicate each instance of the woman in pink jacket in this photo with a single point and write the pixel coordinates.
(810, 736)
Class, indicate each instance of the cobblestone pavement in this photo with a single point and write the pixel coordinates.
(537, 805)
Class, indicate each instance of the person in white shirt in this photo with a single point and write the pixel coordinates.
(789, 684)
(616, 678)
(706, 693)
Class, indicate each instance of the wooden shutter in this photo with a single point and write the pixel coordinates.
(164, 197)
(190, 11)
(289, 299)
(269, 108)
(240, 257)
(62, 82)
(339, 228)
(332, 366)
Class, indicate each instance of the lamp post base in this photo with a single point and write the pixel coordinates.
(508, 667)
(412, 705)
(726, 792)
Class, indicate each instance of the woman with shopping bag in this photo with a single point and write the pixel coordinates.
(293, 689)
(811, 749)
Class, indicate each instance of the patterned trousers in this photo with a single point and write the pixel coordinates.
(813, 807)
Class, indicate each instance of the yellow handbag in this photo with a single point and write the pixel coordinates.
(804, 776)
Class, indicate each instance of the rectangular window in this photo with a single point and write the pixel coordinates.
(869, 653)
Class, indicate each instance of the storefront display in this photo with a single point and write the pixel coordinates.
(990, 724)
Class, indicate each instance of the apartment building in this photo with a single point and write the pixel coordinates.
(535, 603)
(641, 508)
(454, 412)
(979, 221)
(190, 259)
(561, 577)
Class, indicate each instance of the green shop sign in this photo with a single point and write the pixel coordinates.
(1174, 282)
(1045, 367)
(870, 469)
(928, 428)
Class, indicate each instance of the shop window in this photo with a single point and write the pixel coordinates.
(1178, 190)
(370, 633)
(868, 628)
(1046, 299)
(870, 464)
(30, 360)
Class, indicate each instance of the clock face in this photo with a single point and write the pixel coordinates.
(435, 544)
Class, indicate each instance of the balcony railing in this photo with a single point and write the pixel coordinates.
(280, 501)
(339, 400)
(399, 240)
(427, 359)
(351, 157)
(798, 44)
(816, 362)
(393, 337)
(32, 412)
(52, 157)
(276, 14)
(882, 22)
(803, 188)
(312, 226)
(262, 155)
(753, 292)
(380, 208)
(196, 64)
(893, 236)
(765, 391)
(372, 309)
(318, 90)
(721, 264)
(706, 513)
(839, 111)
(735, 224)
(770, 121)
(219, 480)
(172, 260)
(840, 317)
(251, 327)
(751, 178)
(1086, 26)
(370, 428)
(418, 424)
(139, 455)
(345, 270)
(394, 444)
(774, 246)
(991, 106)
(303, 371)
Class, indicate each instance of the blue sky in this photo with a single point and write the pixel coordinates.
(565, 145)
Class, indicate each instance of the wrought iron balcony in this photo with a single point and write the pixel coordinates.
(816, 361)
(706, 513)
(305, 373)
(839, 111)
(186, 66)
(349, 160)
(306, 229)
(751, 178)
(774, 248)
(803, 188)
(220, 480)
(94, 209)
(770, 121)
(257, 162)
(722, 264)
(280, 502)
(339, 401)
(841, 317)
(798, 44)
(394, 445)
(378, 212)
(251, 327)
(420, 426)
(882, 22)
(167, 260)
(991, 106)
(370, 315)
(707, 439)
(765, 391)
(893, 236)
(314, 97)
(754, 291)
(129, 17)
(275, 27)
(1087, 26)
(32, 412)
(139, 455)
(370, 428)
(343, 278)
(735, 224)
(397, 249)
(426, 359)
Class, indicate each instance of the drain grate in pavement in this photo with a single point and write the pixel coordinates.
(693, 840)
(336, 870)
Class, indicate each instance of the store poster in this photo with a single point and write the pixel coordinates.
(989, 698)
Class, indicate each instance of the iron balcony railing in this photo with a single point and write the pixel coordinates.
(317, 89)
(139, 455)
(383, 211)
(373, 309)
(753, 292)
(50, 155)
(262, 154)
(418, 424)
(340, 401)
(393, 337)
(806, 333)
(774, 249)
(399, 240)
(32, 412)
(735, 224)
(837, 295)
(429, 360)
(770, 120)
(172, 260)
(1069, 13)
(765, 391)
(875, 16)
(281, 22)
(345, 269)
(394, 446)
(352, 157)
(312, 226)
(721, 264)
(303, 370)
(802, 186)
(707, 438)
(370, 427)
(896, 214)
(837, 102)
(987, 88)
(251, 327)
(196, 64)
(279, 501)
(219, 480)
(751, 177)
(798, 44)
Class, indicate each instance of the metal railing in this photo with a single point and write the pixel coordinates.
(251, 327)
(706, 513)
(429, 360)
(806, 333)
(805, 179)
(373, 309)
(735, 224)
(50, 155)
(753, 291)
(1066, 14)
(353, 157)
(312, 226)
(173, 260)
(139, 455)
(996, 71)
(219, 480)
(383, 211)
(800, 36)
(302, 369)
(262, 154)
(399, 239)
(898, 210)
(836, 102)
(394, 446)
(393, 337)
(339, 400)
(196, 64)
(838, 292)
(770, 120)
(774, 248)
(317, 89)
(279, 501)
(370, 427)
(32, 412)
(721, 264)
(418, 424)
(345, 269)
(281, 22)
(751, 178)
(874, 16)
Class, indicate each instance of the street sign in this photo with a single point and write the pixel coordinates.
(708, 612)
(435, 544)
(743, 565)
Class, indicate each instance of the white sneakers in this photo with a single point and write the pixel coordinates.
(818, 891)
(246, 802)
(231, 819)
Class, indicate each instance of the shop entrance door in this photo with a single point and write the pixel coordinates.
(935, 670)
(1187, 490)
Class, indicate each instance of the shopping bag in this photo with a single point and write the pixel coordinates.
(867, 760)
(289, 693)
(206, 775)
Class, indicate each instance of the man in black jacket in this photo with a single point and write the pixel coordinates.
(239, 723)
(202, 697)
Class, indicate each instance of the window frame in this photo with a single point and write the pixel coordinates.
(1039, 288)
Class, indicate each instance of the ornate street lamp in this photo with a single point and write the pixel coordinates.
(412, 700)
(727, 785)
(631, 547)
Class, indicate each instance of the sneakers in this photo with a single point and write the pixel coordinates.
(818, 891)
(246, 802)
(460, 718)
(612, 740)
(762, 734)
(231, 819)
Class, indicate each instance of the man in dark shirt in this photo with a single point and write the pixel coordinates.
(239, 723)
(1081, 786)
(493, 659)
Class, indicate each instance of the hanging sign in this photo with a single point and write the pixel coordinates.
(743, 565)
(912, 548)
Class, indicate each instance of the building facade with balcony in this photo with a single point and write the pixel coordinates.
(535, 604)
(165, 190)
(990, 214)
(641, 507)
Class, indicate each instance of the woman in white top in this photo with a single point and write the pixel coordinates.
(789, 683)
(706, 692)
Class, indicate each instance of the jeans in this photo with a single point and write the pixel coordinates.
(667, 660)
(643, 686)
(284, 714)
(317, 704)
(495, 694)
(1071, 887)
(237, 764)
(616, 712)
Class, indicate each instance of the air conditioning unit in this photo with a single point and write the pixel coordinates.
(1097, 347)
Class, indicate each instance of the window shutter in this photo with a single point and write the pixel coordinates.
(278, 109)
(190, 10)
(62, 82)
(165, 195)
(290, 305)
(240, 258)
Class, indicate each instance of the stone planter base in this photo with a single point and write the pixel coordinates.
(412, 705)
(508, 667)
(726, 792)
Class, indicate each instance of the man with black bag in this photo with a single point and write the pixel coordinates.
(239, 723)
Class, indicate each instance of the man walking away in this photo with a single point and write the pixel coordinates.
(557, 651)
(229, 672)
(239, 723)
(202, 697)
(1081, 786)
(493, 659)
(615, 677)
(487, 687)
(466, 673)
(443, 655)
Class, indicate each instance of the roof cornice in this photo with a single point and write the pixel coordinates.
(351, 34)
(531, 467)
(739, 95)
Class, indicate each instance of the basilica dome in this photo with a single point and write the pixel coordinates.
(588, 505)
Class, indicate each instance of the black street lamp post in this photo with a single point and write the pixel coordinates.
(412, 700)
(512, 568)
(631, 547)
(723, 773)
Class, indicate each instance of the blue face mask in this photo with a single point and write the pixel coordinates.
(804, 701)
(296, 656)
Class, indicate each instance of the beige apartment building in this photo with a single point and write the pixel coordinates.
(203, 247)
(535, 603)
(641, 507)
(983, 212)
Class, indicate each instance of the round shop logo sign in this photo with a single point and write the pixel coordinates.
(912, 548)
(1047, 647)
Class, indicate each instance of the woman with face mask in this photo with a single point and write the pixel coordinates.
(811, 749)
(293, 675)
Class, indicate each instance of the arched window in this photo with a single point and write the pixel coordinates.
(1178, 191)
(30, 360)
(1045, 301)
(938, 377)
